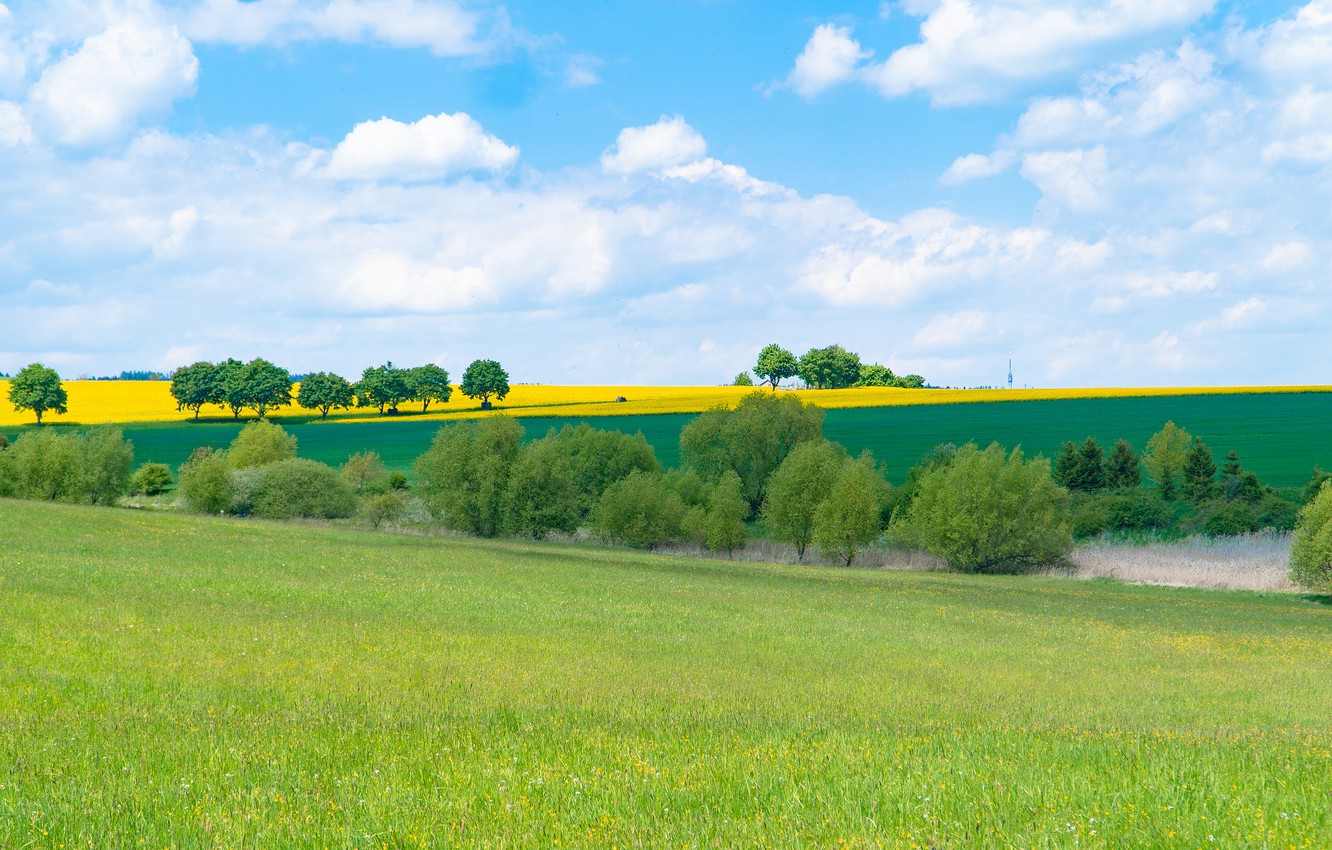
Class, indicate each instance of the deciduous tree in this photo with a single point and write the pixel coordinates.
(194, 386)
(775, 364)
(38, 388)
(324, 391)
(483, 379)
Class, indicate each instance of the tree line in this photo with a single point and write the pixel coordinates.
(831, 367)
(762, 467)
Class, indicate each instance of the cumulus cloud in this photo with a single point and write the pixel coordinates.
(136, 66)
(445, 28)
(830, 57)
(667, 143)
(1075, 178)
(952, 329)
(433, 147)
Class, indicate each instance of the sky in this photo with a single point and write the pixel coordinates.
(1121, 193)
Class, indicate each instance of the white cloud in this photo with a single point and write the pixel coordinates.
(974, 166)
(445, 28)
(953, 329)
(830, 57)
(14, 127)
(1166, 284)
(971, 52)
(136, 66)
(1287, 256)
(1074, 178)
(582, 71)
(1297, 47)
(433, 147)
(667, 143)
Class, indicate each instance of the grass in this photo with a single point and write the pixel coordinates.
(171, 681)
(1281, 436)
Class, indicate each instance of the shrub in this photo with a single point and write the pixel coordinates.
(463, 477)
(849, 517)
(723, 523)
(1088, 514)
(639, 511)
(987, 511)
(397, 481)
(259, 444)
(1137, 509)
(108, 458)
(797, 488)
(150, 479)
(47, 465)
(205, 482)
(1231, 518)
(365, 473)
(1311, 546)
(298, 487)
(384, 507)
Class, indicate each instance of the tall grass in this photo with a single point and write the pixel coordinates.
(173, 681)
(1256, 561)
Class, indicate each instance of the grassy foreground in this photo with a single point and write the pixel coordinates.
(169, 681)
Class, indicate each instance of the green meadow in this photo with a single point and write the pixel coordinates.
(177, 681)
(1280, 436)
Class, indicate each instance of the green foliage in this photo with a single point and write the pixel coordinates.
(365, 473)
(829, 368)
(382, 387)
(194, 386)
(205, 482)
(1088, 515)
(150, 479)
(1164, 457)
(986, 511)
(1199, 472)
(875, 375)
(298, 487)
(1080, 468)
(397, 481)
(1311, 547)
(743, 380)
(261, 443)
(229, 386)
(38, 388)
(559, 479)
(848, 518)
(1315, 484)
(463, 477)
(775, 364)
(107, 460)
(428, 384)
(639, 511)
(324, 391)
(384, 508)
(1132, 509)
(723, 523)
(1122, 467)
(483, 379)
(796, 489)
(752, 440)
(1232, 517)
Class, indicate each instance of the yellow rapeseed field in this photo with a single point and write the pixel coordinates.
(102, 402)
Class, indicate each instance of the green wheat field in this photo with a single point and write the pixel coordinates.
(171, 681)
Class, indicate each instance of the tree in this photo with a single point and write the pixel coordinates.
(796, 489)
(47, 465)
(1065, 470)
(324, 391)
(150, 479)
(107, 460)
(259, 444)
(265, 386)
(483, 379)
(987, 511)
(829, 368)
(909, 382)
(1165, 453)
(1122, 468)
(848, 518)
(1311, 545)
(463, 477)
(230, 389)
(875, 375)
(383, 387)
(774, 365)
(38, 388)
(384, 508)
(639, 511)
(194, 386)
(752, 440)
(1090, 475)
(427, 384)
(724, 519)
(1199, 472)
(743, 380)
(365, 473)
(299, 487)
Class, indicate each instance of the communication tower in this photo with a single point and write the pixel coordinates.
(1010, 370)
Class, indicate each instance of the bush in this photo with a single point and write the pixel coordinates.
(259, 444)
(987, 511)
(205, 482)
(1227, 519)
(848, 518)
(723, 523)
(298, 487)
(150, 479)
(397, 481)
(1137, 509)
(1311, 547)
(639, 511)
(384, 508)
(1088, 515)
(796, 489)
(463, 477)
(108, 458)
(48, 465)
(365, 473)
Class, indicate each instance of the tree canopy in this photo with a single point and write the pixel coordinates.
(38, 388)
(774, 364)
(829, 368)
(483, 379)
(324, 391)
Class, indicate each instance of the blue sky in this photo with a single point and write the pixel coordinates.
(1120, 193)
